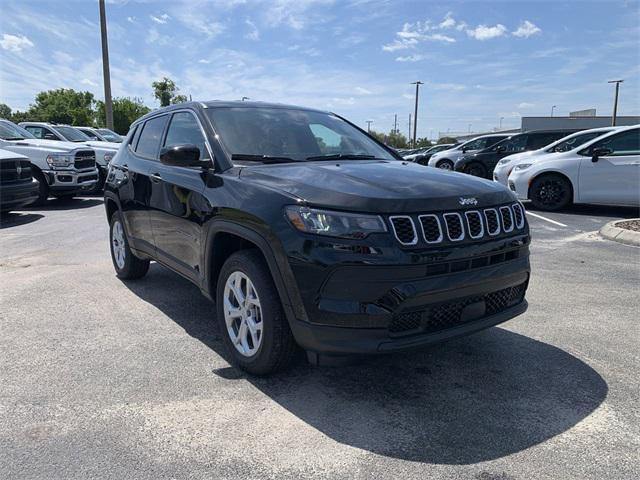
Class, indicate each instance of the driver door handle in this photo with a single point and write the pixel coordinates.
(155, 177)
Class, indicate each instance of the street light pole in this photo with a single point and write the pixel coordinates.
(369, 122)
(501, 119)
(245, 98)
(615, 101)
(409, 136)
(108, 105)
(552, 109)
(415, 112)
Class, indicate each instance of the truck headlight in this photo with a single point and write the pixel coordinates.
(522, 166)
(108, 157)
(59, 160)
(334, 224)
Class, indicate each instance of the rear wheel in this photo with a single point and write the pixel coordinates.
(43, 189)
(550, 192)
(126, 264)
(476, 169)
(255, 330)
(445, 164)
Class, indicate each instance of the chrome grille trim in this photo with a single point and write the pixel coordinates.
(518, 208)
(413, 227)
(469, 214)
(504, 211)
(497, 230)
(440, 238)
(446, 224)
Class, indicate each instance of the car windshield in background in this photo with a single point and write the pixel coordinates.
(109, 135)
(283, 134)
(576, 141)
(9, 131)
(72, 134)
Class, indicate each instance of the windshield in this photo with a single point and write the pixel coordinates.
(72, 134)
(110, 135)
(290, 135)
(11, 131)
(90, 134)
(575, 141)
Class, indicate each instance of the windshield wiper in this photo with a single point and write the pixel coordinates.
(341, 156)
(261, 158)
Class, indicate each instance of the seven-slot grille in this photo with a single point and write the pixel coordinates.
(15, 170)
(85, 159)
(458, 226)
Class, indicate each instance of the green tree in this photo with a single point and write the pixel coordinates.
(381, 137)
(423, 142)
(5, 111)
(63, 106)
(397, 140)
(125, 112)
(442, 140)
(166, 91)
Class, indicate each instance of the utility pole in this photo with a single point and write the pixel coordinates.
(395, 124)
(108, 105)
(615, 101)
(369, 122)
(470, 128)
(415, 112)
(552, 109)
(409, 136)
(501, 119)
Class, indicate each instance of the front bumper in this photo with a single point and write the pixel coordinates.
(14, 196)
(501, 174)
(518, 183)
(71, 180)
(363, 309)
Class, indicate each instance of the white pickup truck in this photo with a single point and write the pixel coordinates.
(105, 151)
(62, 169)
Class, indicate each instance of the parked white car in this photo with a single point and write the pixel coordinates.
(605, 170)
(565, 144)
(101, 134)
(105, 151)
(447, 158)
(62, 169)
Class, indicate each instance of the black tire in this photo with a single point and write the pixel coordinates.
(277, 348)
(43, 189)
(445, 164)
(132, 267)
(551, 192)
(476, 169)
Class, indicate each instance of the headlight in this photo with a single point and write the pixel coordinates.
(109, 156)
(59, 160)
(334, 224)
(504, 161)
(522, 166)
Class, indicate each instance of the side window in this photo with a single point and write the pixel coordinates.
(539, 140)
(515, 144)
(135, 135)
(625, 143)
(90, 134)
(35, 131)
(184, 129)
(149, 142)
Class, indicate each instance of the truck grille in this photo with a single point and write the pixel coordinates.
(15, 170)
(85, 159)
(456, 227)
(447, 315)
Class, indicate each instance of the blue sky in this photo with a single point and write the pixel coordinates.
(479, 60)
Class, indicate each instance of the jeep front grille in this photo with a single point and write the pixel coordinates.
(457, 226)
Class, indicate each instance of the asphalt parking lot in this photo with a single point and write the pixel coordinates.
(105, 379)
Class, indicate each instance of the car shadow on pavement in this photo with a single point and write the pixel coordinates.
(66, 204)
(15, 219)
(470, 400)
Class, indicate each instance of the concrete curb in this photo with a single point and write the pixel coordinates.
(620, 235)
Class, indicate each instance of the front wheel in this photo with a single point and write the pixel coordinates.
(550, 192)
(445, 164)
(255, 330)
(43, 189)
(476, 169)
(126, 264)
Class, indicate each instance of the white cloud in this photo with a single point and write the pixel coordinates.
(204, 61)
(410, 58)
(86, 81)
(15, 43)
(448, 22)
(131, 19)
(363, 91)
(483, 32)
(440, 38)
(62, 57)
(162, 19)
(525, 105)
(526, 29)
(254, 33)
(413, 33)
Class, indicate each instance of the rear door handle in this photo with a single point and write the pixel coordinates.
(156, 177)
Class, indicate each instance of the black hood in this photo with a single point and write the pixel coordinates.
(377, 186)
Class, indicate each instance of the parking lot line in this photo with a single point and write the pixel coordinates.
(546, 219)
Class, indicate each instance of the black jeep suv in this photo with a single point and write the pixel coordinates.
(308, 232)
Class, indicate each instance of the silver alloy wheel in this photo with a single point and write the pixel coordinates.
(118, 245)
(445, 166)
(242, 314)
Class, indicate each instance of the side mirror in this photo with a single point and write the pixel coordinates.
(464, 149)
(501, 148)
(181, 156)
(600, 152)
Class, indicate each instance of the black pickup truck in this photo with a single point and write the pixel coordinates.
(17, 186)
(307, 232)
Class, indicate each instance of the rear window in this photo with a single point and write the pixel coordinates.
(149, 142)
